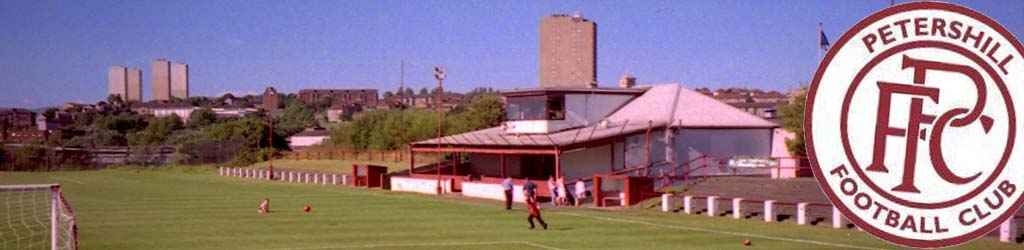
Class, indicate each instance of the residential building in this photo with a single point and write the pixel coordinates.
(161, 80)
(17, 119)
(344, 97)
(160, 109)
(117, 81)
(568, 51)
(179, 80)
(134, 85)
(271, 101)
(309, 137)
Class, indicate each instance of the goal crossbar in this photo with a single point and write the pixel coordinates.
(28, 187)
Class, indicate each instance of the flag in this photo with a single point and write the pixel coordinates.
(823, 41)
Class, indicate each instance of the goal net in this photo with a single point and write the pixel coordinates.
(36, 217)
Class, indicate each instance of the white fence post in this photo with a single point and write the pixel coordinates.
(712, 206)
(688, 204)
(334, 179)
(837, 218)
(344, 179)
(801, 213)
(737, 211)
(221, 169)
(769, 211)
(666, 202)
(1008, 230)
(323, 179)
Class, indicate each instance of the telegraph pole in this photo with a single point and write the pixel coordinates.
(401, 110)
(439, 75)
(270, 143)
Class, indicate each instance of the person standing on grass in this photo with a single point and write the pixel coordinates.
(264, 207)
(530, 189)
(563, 191)
(507, 185)
(534, 213)
(581, 191)
(553, 190)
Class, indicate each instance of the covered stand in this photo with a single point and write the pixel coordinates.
(368, 175)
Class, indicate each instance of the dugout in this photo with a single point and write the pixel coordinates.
(621, 190)
(369, 176)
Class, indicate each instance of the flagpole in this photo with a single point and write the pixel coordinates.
(818, 49)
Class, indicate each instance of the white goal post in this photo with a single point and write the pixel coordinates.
(36, 217)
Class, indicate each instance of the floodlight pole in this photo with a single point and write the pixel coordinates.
(270, 144)
(439, 75)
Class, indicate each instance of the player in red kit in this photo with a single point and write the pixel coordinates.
(534, 213)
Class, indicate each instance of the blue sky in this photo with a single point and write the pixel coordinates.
(59, 51)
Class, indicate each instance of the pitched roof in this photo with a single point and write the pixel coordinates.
(658, 106)
(686, 108)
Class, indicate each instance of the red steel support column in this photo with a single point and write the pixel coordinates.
(455, 165)
(558, 164)
(412, 161)
(503, 175)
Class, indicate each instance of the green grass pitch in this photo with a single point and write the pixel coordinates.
(194, 208)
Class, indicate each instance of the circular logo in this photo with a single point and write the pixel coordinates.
(911, 124)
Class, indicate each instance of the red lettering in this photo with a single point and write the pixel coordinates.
(920, 25)
(954, 29)
(938, 26)
(1007, 188)
(893, 219)
(869, 41)
(903, 26)
(963, 221)
(909, 223)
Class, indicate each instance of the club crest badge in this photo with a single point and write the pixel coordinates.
(911, 124)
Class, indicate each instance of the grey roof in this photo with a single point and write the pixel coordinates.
(496, 136)
(659, 105)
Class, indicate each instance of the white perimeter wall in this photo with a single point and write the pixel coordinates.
(426, 186)
(587, 162)
(492, 191)
(748, 142)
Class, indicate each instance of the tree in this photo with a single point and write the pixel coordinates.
(408, 93)
(485, 112)
(97, 138)
(113, 99)
(250, 133)
(388, 94)
(423, 91)
(201, 118)
(159, 129)
(792, 116)
(50, 113)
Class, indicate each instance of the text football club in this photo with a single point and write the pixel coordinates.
(911, 124)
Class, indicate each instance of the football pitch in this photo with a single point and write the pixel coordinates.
(194, 208)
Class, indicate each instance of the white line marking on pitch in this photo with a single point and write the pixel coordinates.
(429, 244)
(724, 232)
(66, 179)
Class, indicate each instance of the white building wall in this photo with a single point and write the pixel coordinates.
(306, 141)
(585, 163)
